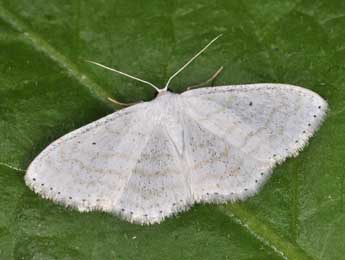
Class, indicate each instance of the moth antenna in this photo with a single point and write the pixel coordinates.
(190, 61)
(125, 74)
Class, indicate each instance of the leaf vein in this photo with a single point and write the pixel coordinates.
(264, 233)
(43, 46)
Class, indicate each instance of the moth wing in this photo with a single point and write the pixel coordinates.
(126, 163)
(89, 167)
(237, 134)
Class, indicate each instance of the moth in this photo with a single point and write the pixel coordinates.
(155, 159)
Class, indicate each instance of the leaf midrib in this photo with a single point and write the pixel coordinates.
(263, 232)
(243, 217)
(43, 46)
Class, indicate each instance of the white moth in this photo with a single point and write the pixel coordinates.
(155, 159)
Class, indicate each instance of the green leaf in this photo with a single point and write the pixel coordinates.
(47, 90)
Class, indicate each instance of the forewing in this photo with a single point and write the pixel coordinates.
(238, 133)
(89, 167)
